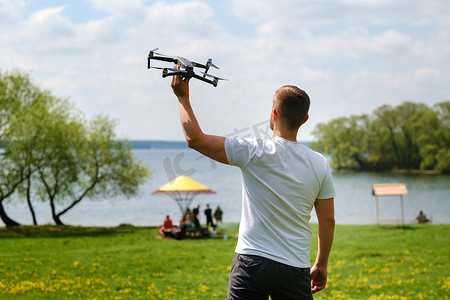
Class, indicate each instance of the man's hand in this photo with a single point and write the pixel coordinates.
(325, 215)
(318, 278)
(180, 86)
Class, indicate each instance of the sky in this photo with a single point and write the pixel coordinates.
(350, 56)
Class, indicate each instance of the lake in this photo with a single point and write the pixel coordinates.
(354, 203)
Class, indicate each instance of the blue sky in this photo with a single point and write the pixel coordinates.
(351, 56)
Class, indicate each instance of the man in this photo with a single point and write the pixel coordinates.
(218, 214)
(209, 219)
(195, 212)
(282, 181)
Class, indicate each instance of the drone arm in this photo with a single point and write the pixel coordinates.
(213, 82)
(184, 74)
(161, 58)
(198, 65)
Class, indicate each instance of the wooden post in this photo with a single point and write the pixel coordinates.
(376, 205)
(403, 211)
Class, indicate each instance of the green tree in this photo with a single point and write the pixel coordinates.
(97, 166)
(63, 139)
(16, 93)
(435, 142)
(416, 119)
(443, 156)
(49, 150)
(386, 151)
(409, 136)
(345, 140)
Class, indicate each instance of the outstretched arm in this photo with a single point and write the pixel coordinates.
(209, 145)
(325, 215)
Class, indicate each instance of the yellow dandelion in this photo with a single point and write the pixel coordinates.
(203, 288)
(375, 286)
(446, 284)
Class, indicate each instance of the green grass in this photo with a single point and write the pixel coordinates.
(367, 262)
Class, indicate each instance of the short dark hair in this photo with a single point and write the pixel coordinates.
(292, 105)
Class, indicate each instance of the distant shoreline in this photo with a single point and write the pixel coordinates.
(150, 144)
(155, 144)
(415, 171)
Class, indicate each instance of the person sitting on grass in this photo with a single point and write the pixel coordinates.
(166, 229)
(421, 218)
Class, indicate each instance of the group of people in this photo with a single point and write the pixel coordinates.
(191, 219)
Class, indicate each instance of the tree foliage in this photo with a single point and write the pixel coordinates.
(50, 151)
(408, 136)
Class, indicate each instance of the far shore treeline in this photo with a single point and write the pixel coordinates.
(411, 136)
(51, 153)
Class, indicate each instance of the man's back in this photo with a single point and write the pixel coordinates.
(281, 181)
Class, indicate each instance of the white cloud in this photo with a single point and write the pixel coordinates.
(425, 73)
(391, 42)
(350, 56)
(106, 31)
(341, 13)
(11, 10)
(129, 11)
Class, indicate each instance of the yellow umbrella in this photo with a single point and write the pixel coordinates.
(183, 189)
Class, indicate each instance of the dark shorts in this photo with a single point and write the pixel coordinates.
(256, 277)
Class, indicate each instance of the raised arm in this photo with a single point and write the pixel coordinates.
(209, 145)
(325, 215)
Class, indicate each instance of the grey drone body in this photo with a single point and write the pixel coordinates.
(186, 67)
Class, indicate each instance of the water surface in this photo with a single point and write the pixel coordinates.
(354, 203)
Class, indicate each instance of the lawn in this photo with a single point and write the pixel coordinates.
(367, 262)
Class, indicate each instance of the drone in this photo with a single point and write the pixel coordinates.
(186, 69)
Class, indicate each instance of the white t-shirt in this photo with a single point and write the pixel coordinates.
(281, 180)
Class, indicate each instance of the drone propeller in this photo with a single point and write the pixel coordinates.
(178, 71)
(152, 53)
(212, 76)
(169, 69)
(210, 64)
